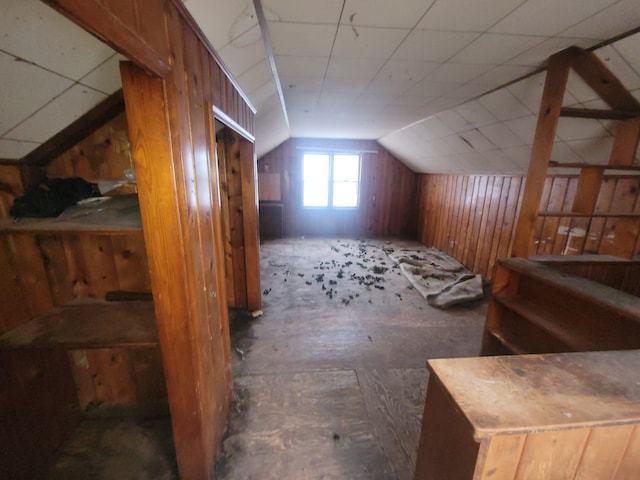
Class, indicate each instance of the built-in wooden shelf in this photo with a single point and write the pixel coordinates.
(547, 319)
(544, 310)
(88, 324)
(587, 215)
(113, 216)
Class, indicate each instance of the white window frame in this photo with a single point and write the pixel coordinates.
(331, 180)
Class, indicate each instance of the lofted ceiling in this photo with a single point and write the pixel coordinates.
(412, 74)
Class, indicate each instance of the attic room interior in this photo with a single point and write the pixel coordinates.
(348, 239)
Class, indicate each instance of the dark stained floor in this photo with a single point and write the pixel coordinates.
(330, 381)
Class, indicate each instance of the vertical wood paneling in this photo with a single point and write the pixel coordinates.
(473, 218)
(554, 455)
(387, 192)
(603, 452)
(174, 161)
(103, 155)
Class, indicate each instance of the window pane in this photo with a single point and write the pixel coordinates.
(315, 167)
(316, 194)
(346, 168)
(345, 194)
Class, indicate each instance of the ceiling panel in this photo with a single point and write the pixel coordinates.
(304, 11)
(367, 42)
(300, 39)
(25, 88)
(500, 135)
(223, 22)
(548, 18)
(57, 114)
(244, 52)
(301, 84)
(629, 49)
(538, 55)
(475, 114)
(355, 68)
(264, 94)
(501, 75)
(433, 46)
(466, 16)
(383, 13)
(457, 72)
(15, 148)
(344, 85)
(495, 49)
(34, 31)
(613, 20)
(503, 105)
(477, 140)
(579, 129)
(301, 66)
(106, 77)
(256, 76)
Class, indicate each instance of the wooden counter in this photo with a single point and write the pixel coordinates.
(553, 416)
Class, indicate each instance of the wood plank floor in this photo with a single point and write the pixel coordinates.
(330, 381)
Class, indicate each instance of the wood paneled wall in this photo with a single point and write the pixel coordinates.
(169, 104)
(472, 218)
(237, 171)
(103, 155)
(387, 192)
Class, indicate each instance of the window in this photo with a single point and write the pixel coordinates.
(331, 180)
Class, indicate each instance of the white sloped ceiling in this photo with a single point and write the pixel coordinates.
(412, 74)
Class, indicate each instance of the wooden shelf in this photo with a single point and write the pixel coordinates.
(504, 342)
(587, 215)
(633, 168)
(598, 114)
(590, 291)
(95, 324)
(547, 320)
(117, 215)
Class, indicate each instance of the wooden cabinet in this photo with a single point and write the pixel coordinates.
(553, 416)
(536, 308)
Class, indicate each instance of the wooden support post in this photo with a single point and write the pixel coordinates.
(168, 243)
(249, 175)
(625, 144)
(550, 106)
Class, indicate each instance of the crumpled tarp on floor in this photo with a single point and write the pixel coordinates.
(440, 279)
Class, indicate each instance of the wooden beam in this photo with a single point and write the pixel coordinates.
(597, 114)
(77, 131)
(625, 144)
(96, 18)
(550, 106)
(596, 74)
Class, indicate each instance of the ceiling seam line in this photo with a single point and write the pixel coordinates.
(262, 23)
